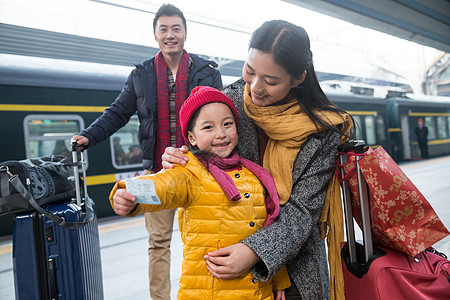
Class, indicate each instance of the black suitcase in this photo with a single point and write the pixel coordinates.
(56, 252)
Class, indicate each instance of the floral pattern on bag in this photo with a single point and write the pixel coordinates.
(401, 217)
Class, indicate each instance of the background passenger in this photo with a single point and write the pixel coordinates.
(422, 137)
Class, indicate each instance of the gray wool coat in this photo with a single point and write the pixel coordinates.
(293, 239)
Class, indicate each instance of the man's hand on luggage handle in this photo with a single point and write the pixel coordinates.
(82, 142)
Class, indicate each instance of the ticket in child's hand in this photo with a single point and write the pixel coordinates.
(143, 189)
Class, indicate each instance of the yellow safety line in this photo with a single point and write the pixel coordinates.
(6, 249)
(51, 108)
(122, 225)
(425, 162)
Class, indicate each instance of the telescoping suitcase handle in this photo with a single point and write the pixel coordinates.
(76, 171)
(356, 261)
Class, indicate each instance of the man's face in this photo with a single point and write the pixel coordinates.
(170, 34)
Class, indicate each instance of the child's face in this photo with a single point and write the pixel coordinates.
(214, 130)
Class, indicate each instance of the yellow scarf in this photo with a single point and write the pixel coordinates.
(288, 127)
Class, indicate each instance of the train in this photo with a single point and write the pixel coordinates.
(390, 121)
(44, 102)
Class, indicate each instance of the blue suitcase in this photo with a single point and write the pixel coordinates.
(56, 251)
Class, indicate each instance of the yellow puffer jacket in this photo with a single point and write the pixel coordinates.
(208, 220)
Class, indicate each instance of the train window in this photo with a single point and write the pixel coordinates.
(371, 138)
(125, 149)
(448, 123)
(358, 127)
(442, 130)
(50, 134)
(381, 130)
(429, 122)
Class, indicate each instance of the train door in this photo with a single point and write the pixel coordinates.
(405, 137)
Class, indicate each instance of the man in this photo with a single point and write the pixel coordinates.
(422, 137)
(155, 89)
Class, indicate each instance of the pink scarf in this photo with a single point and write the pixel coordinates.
(162, 87)
(217, 165)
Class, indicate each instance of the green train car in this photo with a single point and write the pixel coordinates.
(403, 114)
(369, 113)
(44, 102)
(391, 122)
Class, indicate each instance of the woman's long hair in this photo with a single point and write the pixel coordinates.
(289, 46)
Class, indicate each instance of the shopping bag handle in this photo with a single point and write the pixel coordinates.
(357, 148)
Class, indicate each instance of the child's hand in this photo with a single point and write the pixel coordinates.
(124, 202)
(279, 295)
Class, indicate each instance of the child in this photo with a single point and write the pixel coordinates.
(221, 199)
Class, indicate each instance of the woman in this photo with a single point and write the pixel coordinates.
(290, 127)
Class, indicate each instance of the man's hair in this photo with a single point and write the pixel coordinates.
(168, 10)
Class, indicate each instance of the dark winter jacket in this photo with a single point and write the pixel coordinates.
(139, 95)
(293, 238)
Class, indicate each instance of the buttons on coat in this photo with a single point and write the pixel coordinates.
(247, 195)
(254, 280)
(237, 175)
(252, 224)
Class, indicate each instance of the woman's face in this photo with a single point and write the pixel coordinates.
(268, 81)
(214, 130)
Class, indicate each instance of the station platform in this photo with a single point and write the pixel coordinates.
(124, 243)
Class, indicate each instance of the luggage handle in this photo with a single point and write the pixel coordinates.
(358, 147)
(76, 173)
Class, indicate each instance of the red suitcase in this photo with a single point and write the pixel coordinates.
(374, 272)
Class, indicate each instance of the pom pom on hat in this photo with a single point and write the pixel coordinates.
(200, 96)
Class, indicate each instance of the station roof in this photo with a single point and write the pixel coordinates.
(26, 41)
(426, 22)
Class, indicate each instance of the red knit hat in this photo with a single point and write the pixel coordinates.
(200, 96)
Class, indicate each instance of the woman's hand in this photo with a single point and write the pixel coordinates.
(231, 261)
(175, 156)
(124, 202)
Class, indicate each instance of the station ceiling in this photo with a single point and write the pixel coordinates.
(426, 22)
(422, 21)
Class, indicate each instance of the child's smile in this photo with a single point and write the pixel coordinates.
(214, 130)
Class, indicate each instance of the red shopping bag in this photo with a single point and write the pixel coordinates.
(401, 217)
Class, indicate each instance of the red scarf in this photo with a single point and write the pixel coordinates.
(163, 131)
(216, 167)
